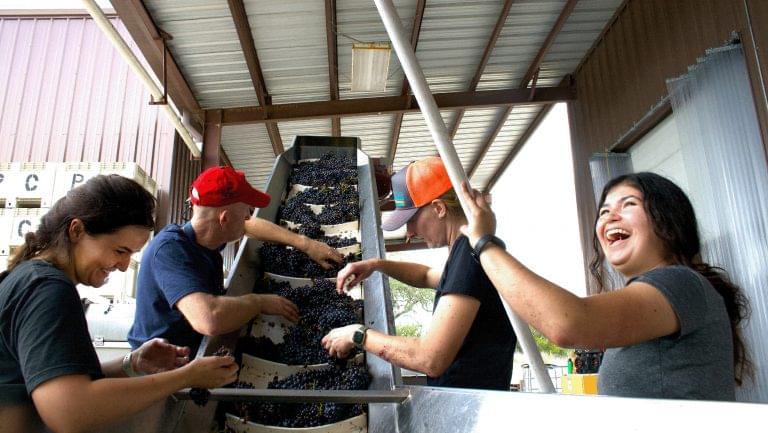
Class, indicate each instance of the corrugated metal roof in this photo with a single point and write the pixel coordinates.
(207, 50)
(290, 38)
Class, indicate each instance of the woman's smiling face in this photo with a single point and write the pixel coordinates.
(626, 233)
(95, 257)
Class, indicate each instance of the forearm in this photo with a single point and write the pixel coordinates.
(113, 368)
(230, 313)
(413, 274)
(405, 352)
(105, 401)
(552, 310)
(266, 231)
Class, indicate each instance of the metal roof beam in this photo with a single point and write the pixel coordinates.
(532, 72)
(394, 104)
(147, 36)
(240, 17)
(418, 17)
(484, 60)
(333, 60)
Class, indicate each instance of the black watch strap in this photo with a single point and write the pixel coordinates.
(483, 242)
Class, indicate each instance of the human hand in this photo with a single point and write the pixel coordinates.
(355, 272)
(273, 304)
(324, 255)
(339, 341)
(158, 355)
(210, 372)
(483, 219)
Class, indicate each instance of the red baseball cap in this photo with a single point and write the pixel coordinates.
(220, 186)
(414, 186)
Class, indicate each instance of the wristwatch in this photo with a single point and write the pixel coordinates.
(483, 242)
(359, 336)
(128, 366)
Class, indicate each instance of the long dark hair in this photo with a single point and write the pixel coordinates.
(674, 222)
(104, 204)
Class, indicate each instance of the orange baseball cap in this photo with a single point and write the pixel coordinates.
(414, 186)
(220, 186)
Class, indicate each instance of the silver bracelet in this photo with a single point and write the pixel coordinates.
(128, 366)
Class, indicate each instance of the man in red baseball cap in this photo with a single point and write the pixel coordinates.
(470, 342)
(180, 281)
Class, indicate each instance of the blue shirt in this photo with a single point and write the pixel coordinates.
(173, 266)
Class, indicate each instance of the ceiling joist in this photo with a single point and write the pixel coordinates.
(484, 60)
(394, 104)
(147, 36)
(333, 60)
(533, 70)
(240, 17)
(418, 17)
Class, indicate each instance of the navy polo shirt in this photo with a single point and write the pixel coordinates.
(173, 266)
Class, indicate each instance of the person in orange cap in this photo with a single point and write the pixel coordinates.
(180, 281)
(470, 342)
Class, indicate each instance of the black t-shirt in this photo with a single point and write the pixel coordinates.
(485, 358)
(43, 331)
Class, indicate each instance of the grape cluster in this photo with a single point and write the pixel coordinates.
(331, 169)
(297, 415)
(201, 395)
(327, 195)
(332, 179)
(282, 260)
(322, 309)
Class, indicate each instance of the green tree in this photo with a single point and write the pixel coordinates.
(405, 298)
(409, 330)
(544, 345)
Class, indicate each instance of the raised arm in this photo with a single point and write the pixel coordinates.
(263, 230)
(636, 313)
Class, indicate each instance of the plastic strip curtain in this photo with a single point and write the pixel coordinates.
(726, 165)
(603, 167)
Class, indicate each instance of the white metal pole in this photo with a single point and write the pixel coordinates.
(106, 27)
(439, 132)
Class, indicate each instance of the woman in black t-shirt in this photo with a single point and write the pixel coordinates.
(45, 350)
(470, 342)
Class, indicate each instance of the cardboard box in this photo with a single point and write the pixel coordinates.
(579, 384)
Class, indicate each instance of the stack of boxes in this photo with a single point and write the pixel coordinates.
(28, 190)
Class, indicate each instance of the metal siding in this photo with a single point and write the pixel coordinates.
(66, 95)
(649, 42)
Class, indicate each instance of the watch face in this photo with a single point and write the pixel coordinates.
(357, 337)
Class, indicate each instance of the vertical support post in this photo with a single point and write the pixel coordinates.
(211, 139)
(439, 132)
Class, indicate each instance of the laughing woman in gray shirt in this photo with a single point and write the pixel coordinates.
(672, 332)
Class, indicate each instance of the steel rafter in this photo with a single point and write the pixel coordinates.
(240, 17)
(532, 72)
(418, 17)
